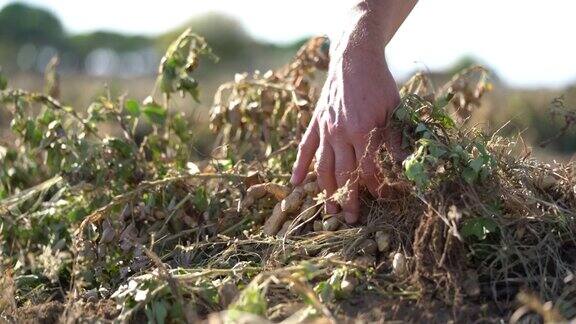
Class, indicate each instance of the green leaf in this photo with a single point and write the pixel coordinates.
(160, 312)
(46, 117)
(479, 228)
(445, 120)
(132, 108)
(54, 160)
(189, 85)
(201, 199)
(477, 164)
(251, 300)
(175, 312)
(33, 135)
(414, 171)
(469, 175)
(167, 79)
(324, 291)
(421, 128)
(225, 164)
(120, 146)
(181, 127)
(436, 151)
(155, 113)
(402, 113)
(309, 270)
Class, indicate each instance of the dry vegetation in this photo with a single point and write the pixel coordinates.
(129, 228)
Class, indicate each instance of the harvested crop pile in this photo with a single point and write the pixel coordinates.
(98, 227)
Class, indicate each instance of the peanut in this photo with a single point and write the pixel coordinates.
(308, 210)
(276, 220)
(368, 247)
(382, 240)
(284, 229)
(258, 191)
(399, 267)
(294, 200)
(331, 223)
(318, 227)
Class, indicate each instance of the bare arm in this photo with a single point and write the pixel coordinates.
(358, 97)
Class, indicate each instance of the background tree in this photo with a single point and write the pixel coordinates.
(20, 24)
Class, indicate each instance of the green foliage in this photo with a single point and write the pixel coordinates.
(62, 167)
(179, 62)
(414, 168)
(154, 113)
(479, 228)
(332, 288)
(157, 311)
(251, 300)
(132, 108)
(428, 129)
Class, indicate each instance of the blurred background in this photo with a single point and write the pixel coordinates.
(115, 46)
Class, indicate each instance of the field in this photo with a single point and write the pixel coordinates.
(109, 214)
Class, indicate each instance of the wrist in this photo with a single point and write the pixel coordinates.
(378, 20)
(368, 20)
(363, 32)
(359, 38)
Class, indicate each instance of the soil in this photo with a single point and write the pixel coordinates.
(373, 308)
(44, 313)
(53, 312)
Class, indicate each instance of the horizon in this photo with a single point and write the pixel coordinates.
(521, 52)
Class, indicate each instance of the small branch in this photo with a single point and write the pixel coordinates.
(48, 100)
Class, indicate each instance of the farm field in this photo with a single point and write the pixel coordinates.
(133, 209)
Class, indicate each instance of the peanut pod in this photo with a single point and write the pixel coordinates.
(399, 267)
(284, 229)
(368, 247)
(332, 222)
(276, 220)
(318, 227)
(308, 210)
(294, 200)
(311, 188)
(383, 241)
(258, 191)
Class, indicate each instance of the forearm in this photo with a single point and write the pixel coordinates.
(376, 21)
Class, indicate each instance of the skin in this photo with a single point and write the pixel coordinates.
(349, 124)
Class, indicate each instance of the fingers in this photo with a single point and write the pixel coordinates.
(393, 144)
(367, 159)
(306, 150)
(345, 167)
(325, 173)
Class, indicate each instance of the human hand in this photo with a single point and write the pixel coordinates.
(349, 124)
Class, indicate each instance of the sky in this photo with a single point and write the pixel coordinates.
(529, 43)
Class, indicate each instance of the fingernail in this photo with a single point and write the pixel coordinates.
(351, 218)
